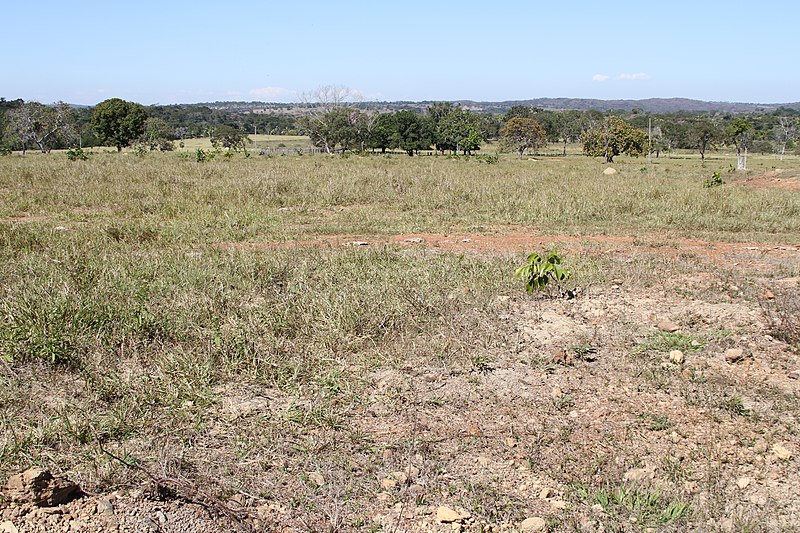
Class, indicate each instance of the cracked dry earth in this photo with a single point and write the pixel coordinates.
(553, 403)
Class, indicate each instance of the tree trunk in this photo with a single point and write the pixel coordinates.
(521, 150)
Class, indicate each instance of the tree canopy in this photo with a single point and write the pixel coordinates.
(613, 137)
(118, 122)
(521, 134)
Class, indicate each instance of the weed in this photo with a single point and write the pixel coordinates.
(648, 507)
(655, 422)
(734, 406)
(541, 270)
(714, 181)
(76, 154)
(662, 342)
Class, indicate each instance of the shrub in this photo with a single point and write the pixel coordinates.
(202, 156)
(77, 154)
(714, 181)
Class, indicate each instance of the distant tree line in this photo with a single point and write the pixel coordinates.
(335, 125)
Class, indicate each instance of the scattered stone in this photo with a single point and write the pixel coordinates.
(546, 493)
(8, 527)
(105, 507)
(387, 454)
(510, 442)
(734, 355)
(696, 343)
(743, 482)
(414, 240)
(668, 326)
(636, 475)
(466, 240)
(561, 357)
(473, 430)
(445, 515)
(558, 505)
(316, 478)
(356, 243)
(388, 483)
(677, 357)
(794, 375)
(769, 295)
(400, 477)
(609, 171)
(483, 461)
(781, 452)
(384, 497)
(411, 473)
(39, 487)
(534, 523)
(556, 393)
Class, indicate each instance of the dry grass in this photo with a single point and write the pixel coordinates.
(127, 321)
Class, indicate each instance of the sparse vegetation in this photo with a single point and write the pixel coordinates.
(292, 331)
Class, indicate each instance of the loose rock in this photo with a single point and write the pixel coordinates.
(317, 478)
(677, 357)
(609, 171)
(781, 452)
(668, 326)
(734, 355)
(534, 523)
(39, 487)
(445, 515)
(639, 474)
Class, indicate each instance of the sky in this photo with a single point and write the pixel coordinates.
(83, 52)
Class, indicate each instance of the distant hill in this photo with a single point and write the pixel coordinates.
(649, 105)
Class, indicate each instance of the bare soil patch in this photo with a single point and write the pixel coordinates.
(779, 178)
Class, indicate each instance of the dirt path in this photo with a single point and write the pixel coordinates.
(515, 241)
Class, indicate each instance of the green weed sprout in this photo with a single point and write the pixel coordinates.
(540, 270)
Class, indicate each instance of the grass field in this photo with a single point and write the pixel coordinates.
(215, 324)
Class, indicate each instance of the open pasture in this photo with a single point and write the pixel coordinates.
(313, 342)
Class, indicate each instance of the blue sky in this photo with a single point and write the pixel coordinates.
(180, 52)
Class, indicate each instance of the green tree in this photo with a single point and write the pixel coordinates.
(228, 137)
(382, 134)
(521, 134)
(118, 122)
(460, 130)
(411, 132)
(158, 134)
(702, 135)
(613, 137)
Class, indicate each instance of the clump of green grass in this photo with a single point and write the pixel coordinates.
(663, 341)
(647, 507)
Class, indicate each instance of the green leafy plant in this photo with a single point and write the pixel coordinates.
(541, 270)
(202, 156)
(77, 154)
(714, 181)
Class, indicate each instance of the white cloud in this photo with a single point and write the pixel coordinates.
(600, 77)
(273, 94)
(634, 77)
